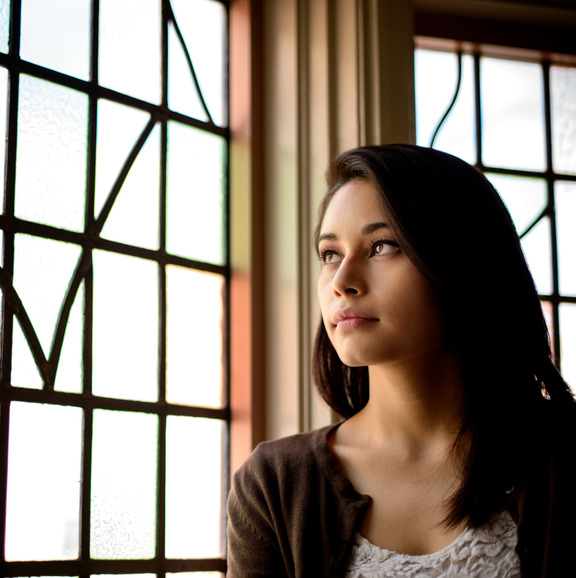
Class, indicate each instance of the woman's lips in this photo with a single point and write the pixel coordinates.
(349, 318)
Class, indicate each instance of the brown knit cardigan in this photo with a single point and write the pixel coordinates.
(292, 513)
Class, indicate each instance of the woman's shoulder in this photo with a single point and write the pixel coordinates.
(291, 452)
(293, 470)
(294, 464)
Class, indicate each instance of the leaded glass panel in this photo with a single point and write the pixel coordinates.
(563, 96)
(457, 134)
(42, 42)
(130, 41)
(113, 230)
(513, 130)
(43, 501)
(525, 145)
(123, 500)
(51, 159)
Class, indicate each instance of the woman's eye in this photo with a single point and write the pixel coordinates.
(328, 257)
(384, 247)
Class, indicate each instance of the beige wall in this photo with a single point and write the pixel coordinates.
(325, 90)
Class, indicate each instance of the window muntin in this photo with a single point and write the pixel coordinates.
(113, 230)
(514, 119)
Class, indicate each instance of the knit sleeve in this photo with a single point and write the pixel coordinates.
(253, 545)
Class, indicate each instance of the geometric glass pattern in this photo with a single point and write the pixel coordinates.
(114, 283)
(516, 121)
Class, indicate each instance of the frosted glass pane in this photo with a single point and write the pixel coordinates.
(130, 47)
(44, 466)
(512, 114)
(182, 93)
(194, 480)
(525, 198)
(134, 217)
(119, 127)
(563, 97)
(4, 24)
(195, 196)
(536, 245)
(56, 34)
(566, 230)
(123, 501)
(43, 270)
(457, 135)
(567, 313)
(203, 26)
(194, 337)
(51, 159)
(3, 134)
(125, 341)
(69, 376)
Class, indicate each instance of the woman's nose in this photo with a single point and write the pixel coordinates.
(348, 280)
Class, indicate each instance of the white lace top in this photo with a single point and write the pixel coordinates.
(477, 552)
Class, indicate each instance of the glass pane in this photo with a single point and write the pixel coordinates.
(56, 34)
(194, 337)
(563, 102)
(512, 114)
(536, 245)
(457, 135)
(134, 217)
(43, 270)
(203, 26)
(525, 198)
(125, 341)
(565, 223)
(567, 313)
(3, 134)
(183, 96)
(195, 196)
(130, 47)
(44, 467)
(123, 501)
(51, 161)
(119, 127)
(194, 496)
(4, 24)
(69, 376)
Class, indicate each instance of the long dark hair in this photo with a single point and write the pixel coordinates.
(451, 222)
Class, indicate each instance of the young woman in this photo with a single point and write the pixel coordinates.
(453, 458)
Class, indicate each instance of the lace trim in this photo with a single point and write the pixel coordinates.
(477, 552)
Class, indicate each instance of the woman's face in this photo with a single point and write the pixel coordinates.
(376, 306)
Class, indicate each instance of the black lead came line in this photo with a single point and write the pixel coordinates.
(452, 103)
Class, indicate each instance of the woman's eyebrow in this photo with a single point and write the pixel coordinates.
(366, 230)
(328, 237)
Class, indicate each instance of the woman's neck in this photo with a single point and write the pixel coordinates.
(416, 407)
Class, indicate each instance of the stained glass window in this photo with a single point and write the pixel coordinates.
(516, 120)
(114, 286)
